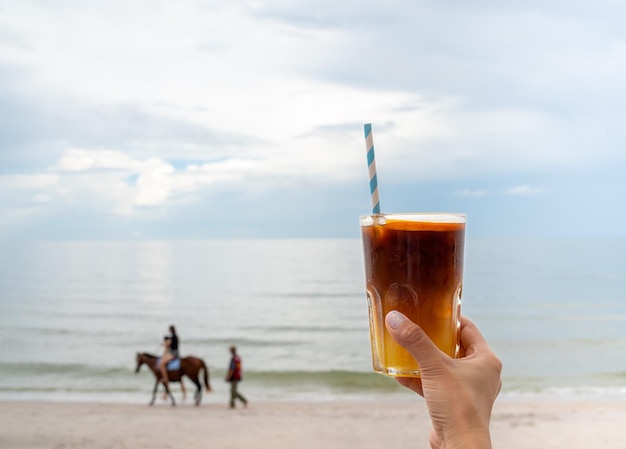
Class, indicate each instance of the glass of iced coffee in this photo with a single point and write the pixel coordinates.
(413, 264)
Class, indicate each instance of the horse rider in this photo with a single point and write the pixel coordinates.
(170, 353)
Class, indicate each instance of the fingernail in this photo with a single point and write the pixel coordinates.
(394, 319)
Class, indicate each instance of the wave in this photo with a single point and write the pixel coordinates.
(583, 391)
(241, 341)
(48, 377)
(620, 375)
(77, 379)
(336, 380)
(579, 385)
(51, 331)
(70, 369)
(71, 389)
(305, 328)
(312, 294)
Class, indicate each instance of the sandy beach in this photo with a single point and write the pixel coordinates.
(277, 425)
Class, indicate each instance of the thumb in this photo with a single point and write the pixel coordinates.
(413, 338)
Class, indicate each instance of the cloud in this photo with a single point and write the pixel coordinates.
(30, 125)
(470, 193)
(112, 182)
(122, 183)
(23, 198)
(138, 109)
(525, 190)
(322, 15)
(75, 159)
(149, 90)
(37, 181)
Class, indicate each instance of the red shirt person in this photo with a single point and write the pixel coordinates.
(234, 377)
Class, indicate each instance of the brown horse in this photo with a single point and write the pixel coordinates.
(189, 366)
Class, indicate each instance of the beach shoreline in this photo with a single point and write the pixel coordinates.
(516, 424)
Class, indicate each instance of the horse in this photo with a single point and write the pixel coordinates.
(189, 366)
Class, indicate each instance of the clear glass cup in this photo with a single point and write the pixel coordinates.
(413, 264)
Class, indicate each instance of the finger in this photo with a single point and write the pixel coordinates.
(413, 338)
(412, 383)
(471, 338)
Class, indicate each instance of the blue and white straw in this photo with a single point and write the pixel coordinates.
(371, 165)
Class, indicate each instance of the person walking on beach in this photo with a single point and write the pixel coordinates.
(234, 377)
(170, 353)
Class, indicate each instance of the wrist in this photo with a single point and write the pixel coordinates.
(474, 439)
(469, 428)
(474, 444)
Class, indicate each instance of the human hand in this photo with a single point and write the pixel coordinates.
(459, 393)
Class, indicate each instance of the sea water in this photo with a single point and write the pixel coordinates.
(74, 314)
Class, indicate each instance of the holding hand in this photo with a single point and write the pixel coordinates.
(459, 393)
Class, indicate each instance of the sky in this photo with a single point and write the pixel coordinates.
(244, 119)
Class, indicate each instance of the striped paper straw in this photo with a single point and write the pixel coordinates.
(371, 165)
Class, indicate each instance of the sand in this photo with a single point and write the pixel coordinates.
(289, 425)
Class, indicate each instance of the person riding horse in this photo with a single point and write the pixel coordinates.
(167, 350)
(170, 353)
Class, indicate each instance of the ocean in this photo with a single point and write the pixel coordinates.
(73, 315)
